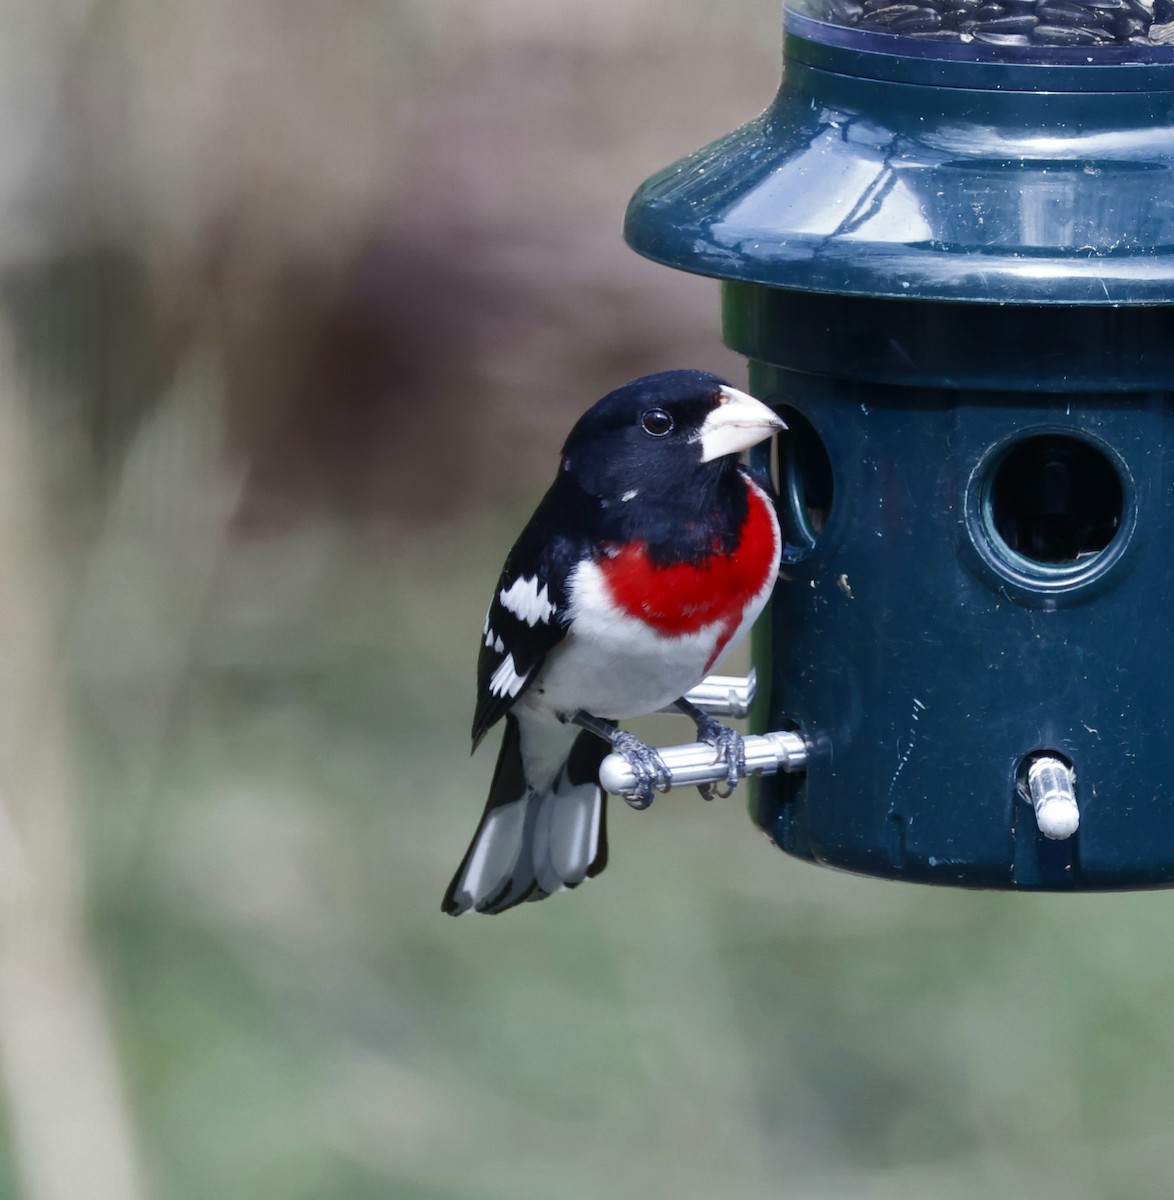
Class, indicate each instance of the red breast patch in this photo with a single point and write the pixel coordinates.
(682, 598)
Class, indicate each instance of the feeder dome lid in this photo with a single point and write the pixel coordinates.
(911, 154)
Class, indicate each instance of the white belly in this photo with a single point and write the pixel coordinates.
(613, 665)
(616, 674)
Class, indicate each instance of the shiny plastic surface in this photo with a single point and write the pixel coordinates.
(909, 176)
(955, 276)
(929, 645)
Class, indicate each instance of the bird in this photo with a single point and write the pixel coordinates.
(651, 554)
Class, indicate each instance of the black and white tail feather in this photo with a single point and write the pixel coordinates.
(533, 842)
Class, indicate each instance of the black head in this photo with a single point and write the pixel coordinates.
(660, 433)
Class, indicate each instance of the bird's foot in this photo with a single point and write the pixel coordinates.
(647, 766)
(731, 750)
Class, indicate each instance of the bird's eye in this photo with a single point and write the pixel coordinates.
(657, 422)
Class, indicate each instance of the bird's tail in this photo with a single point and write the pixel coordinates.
(534, 841)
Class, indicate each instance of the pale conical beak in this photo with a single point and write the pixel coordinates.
(738, 422)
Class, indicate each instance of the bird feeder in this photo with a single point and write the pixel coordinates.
(947, 250)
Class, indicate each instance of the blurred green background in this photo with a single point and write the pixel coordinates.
(297, 301)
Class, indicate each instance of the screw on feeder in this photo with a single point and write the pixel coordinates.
(1051, 787)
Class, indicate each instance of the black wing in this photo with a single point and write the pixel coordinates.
(528, 614)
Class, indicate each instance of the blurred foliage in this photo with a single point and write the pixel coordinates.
(302, 299)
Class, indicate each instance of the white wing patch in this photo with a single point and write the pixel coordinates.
(493, 641)
(505, 680)
(527, 601)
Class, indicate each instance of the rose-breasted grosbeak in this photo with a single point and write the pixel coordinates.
(651, 554)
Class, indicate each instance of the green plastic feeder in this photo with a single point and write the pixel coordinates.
(947, 250)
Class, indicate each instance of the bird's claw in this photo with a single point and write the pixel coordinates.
(647, 766)
(731, 749)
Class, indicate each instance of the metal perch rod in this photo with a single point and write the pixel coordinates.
(694, 762)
